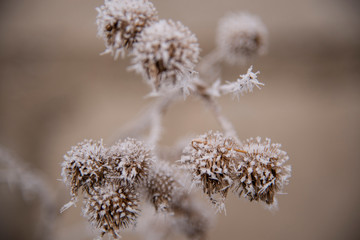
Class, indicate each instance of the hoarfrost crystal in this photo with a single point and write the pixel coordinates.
(244, 84)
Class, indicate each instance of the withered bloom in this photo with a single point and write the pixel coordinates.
(210, 159)
(84, 166)
(162, 187)
(120, 22)
(165, 54)
(112, 208)
(129, 161)
(262, 173)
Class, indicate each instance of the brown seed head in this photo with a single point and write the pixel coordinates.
(210, 159)
(84, 166)
(112, 208)
(120, 22)
(130, 161)
(261, 173)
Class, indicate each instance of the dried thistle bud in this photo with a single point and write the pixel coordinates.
(162, 186)
(210, 159)
(84, 166)
(166, 54)
(130, 161)
(240, 37)
(112, 208)
(120, 22)
(262, 173)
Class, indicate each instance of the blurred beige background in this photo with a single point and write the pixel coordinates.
(55, 90)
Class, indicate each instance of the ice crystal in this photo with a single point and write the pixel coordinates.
(130, 161)
(84, 166)
(165, 54)
(241, 36)
(210, 160)
(262, 173)
(111, 208)
(120, 22)
(244, 84)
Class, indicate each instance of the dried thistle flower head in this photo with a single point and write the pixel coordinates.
(130, 161)
(84, 166)
(262, 172)
(210, 159)
(120, 22)
(240, 37)
(111, 208)
(165, 54)
(162, 186)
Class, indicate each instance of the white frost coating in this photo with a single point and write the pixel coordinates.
(244, 84)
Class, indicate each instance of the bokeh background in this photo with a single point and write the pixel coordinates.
(55, 90)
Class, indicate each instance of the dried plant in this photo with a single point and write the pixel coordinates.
(113, 180)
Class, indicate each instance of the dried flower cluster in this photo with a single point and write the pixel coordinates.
(254, 169)
(108, 177)
(240, 37)
(114, 180)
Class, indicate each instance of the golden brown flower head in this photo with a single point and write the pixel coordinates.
(111, 208)
(162, 186)
(261, 173)
(165, 54)
(130, 161)
(210, 159)
(84, 166)
(120, 22)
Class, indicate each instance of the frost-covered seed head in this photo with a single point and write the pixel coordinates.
(130, 161)
(210, 159)
(262, 172)
(162, 186)
(84, 166)
(120, 22)
(166, 54)
(111, 208)
(240, 37)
